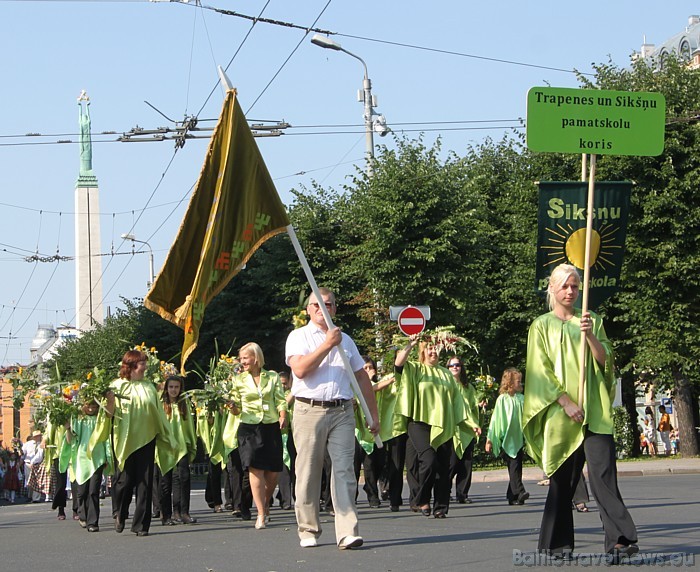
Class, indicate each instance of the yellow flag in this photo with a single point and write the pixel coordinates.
(233, 210)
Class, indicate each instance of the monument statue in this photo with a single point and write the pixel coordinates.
(85, 137)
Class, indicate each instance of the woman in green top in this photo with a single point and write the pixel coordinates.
(136, 420)
(559, 433)
(505, 436)
(175, 482)
(259, 397)
(87, 472)
(464, 441)
(428, 406)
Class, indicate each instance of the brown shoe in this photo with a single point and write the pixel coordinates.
(187, 519)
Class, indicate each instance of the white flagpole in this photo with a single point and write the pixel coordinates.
(586, 280)
(329, 324)
(314, 287)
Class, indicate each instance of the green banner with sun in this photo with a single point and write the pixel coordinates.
(561, 233)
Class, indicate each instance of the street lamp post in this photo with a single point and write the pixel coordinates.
(378, 125)
(151, 274)
(370, 126)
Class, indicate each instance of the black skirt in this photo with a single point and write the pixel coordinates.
(260, 446)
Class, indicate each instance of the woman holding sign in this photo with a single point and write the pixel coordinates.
(560, 434)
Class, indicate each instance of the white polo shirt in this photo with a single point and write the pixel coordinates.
(330, 380)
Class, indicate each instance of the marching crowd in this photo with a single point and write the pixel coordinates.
(302, 433)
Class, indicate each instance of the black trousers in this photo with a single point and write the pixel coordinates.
(175, 488)
(157, 476)
(137, 477)
(395, 463)
(59, 497)
(373, 465)
(287, 478)
(212, 492)
(411, 459)
(433, 467)
(557, 530)
(462, 470)
(241, 494)
(581, 492)
(74, 496)
(228, 497)
(89, 498)
(515, 475)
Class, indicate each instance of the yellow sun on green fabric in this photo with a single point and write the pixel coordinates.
(566, 244)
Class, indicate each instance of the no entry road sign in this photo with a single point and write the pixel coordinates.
(411, 321)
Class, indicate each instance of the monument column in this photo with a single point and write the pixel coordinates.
(88, 262)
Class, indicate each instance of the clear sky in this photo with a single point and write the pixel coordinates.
(455, 70)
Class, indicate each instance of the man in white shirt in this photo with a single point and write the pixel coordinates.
(324, 420)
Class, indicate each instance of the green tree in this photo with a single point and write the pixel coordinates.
(101, 347)
(657, 310)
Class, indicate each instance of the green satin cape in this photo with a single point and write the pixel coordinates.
(182, 428)
(505, 429)
(429, 394)
(211, 434)
(138, 419)
(463, 437)
(552, 370)
(83, 467)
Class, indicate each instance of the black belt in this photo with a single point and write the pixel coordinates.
(320, 403)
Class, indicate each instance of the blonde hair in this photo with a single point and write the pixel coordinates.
(256, 350)
(423, 351)
(559, 277)
(508, 381)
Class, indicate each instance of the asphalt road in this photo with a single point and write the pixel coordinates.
(479, 536)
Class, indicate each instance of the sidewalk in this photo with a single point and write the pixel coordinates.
(645, 467)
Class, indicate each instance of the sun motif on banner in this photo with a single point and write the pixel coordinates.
(566, 243)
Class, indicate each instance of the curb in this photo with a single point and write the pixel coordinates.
(535, 474)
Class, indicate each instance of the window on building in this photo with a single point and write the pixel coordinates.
(685, 50)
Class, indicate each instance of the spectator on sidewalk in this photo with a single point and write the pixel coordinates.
(649, 437)
(665, 429)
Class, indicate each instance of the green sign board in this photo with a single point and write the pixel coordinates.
(564, 120)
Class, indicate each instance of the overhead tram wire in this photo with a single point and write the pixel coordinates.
(307, 30)
(101, 214)
(12, 312)
(133, 225)
(463, 55)
(141, 213)
(116, 280)
(388, 42)
(266, 87)
(233, 57)
(46, 287)
(164, 130)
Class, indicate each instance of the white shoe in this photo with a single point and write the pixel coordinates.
(308, 542)
(350, 542)
(260, 523)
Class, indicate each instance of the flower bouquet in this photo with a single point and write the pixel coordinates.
(157, 370)
(95, 386)
(24, 381)
(486, 388)
(444, 339)
(218, 383)
(57, 403)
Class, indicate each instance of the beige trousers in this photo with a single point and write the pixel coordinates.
(317, 429)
